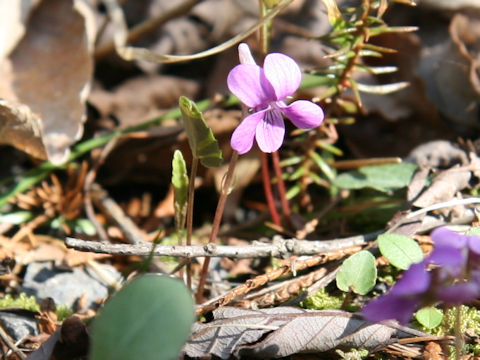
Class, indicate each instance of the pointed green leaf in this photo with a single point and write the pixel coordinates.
(429, 317)
(149, 319)
(400, 250)
(180, 187)
(202, 142)
(358, 273)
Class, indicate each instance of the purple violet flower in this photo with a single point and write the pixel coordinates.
(455, 279)
(404, 299)
(264, 90)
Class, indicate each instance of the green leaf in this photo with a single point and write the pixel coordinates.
(202, 142)
(83, 226)
(271, 3)
(429, 317)
(180, 188)
(382, 177)
(149, 319)
(358, 273)
(16, 218)
(400, 250)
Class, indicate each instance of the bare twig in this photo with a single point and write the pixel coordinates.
(134, 53)
(315, 287)
(133, 234)
(146, 27)
(280, 248)
(87, 184)
(442, 205)
(11, 346)
(263, 279)
(283, 291)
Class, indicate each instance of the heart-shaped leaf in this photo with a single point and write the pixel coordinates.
(400, 250)
(358, 273)
(150, 318)
(429, 317)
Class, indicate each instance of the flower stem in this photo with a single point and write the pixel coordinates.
(458, 332)
(264, 30)
(268, 190)
(281, 187)
(191, 196)
(264, 45)
(224, 191)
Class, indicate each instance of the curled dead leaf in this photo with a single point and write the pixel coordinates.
(46, 81)
(22, 128)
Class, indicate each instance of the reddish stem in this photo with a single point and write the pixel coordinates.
(281, 186)
(268, 190)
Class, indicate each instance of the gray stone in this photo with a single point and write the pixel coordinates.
(18, 326)
(66, 286)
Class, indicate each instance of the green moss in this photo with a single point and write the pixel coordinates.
(63, 312)
(470, 322)
(353, 354)
(321, 300)
(388, 274)
(22, 301)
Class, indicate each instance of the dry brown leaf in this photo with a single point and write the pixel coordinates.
(46, 80)
(13, 17)
(437, 154)
(444, 187)
(433, 351)
(142, 98)
(283, 331)
(449, 69)
(21, 128)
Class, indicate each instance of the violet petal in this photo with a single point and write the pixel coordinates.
(445, 237)
(415, 280)
(391, 307)
(474, 244)
(283, 73)
(248, 83)
(458, 293)
(244, 134)
(447, 256)
(271, 131)
(304, 114)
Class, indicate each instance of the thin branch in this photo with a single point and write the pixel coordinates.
(11, 346)
(131, 231)
(135, 53)
(146, 27)
(263, 279)
(280, 248)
